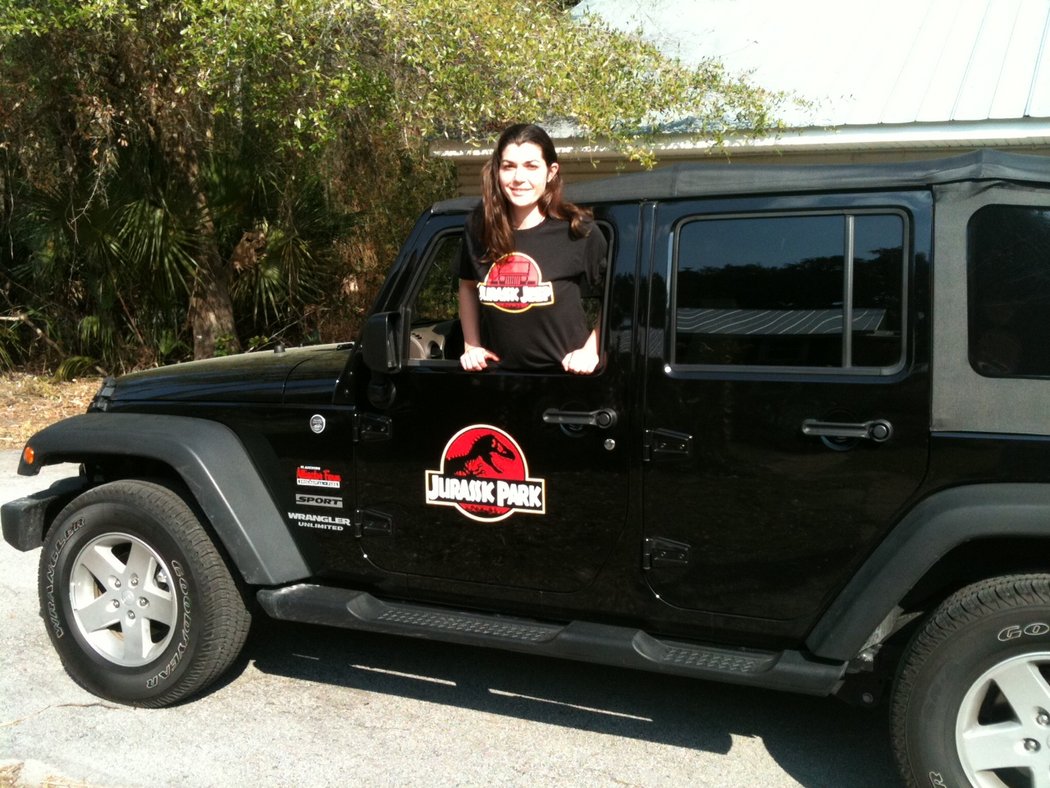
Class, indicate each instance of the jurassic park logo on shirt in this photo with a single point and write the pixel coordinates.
(485, 476)
(514, 283)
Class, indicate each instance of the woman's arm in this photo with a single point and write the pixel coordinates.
(475, 358)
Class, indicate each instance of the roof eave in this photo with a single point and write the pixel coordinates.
(1023, 132)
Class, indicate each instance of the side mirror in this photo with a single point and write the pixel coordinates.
(381, 342)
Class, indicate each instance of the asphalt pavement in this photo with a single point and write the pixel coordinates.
(309, 706)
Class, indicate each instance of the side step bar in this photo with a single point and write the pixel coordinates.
(579, 640)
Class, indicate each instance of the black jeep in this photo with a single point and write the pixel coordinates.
(815, 457)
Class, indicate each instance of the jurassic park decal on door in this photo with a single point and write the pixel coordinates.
(484, 474)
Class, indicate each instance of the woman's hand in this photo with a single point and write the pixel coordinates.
(476, 358)
(584, 360)
(581, 362)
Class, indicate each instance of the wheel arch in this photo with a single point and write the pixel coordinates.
(932, 552)
(208, 460)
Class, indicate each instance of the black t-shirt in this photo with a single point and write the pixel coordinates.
(532, 312)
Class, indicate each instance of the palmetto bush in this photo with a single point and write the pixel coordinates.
(112, 273)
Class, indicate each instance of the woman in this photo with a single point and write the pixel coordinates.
(529, 257)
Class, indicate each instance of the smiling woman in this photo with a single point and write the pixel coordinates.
(529, 257)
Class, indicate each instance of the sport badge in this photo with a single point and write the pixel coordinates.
(484, 474)
(514, 283)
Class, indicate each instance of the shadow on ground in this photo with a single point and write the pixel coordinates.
(817, 741)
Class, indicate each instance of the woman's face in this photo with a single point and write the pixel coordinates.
(523, 175)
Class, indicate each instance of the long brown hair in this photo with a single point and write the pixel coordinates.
(493, 215)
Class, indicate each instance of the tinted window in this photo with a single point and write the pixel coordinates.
(435, 336)
(438, 295)
(878, 306)
(1009, 291)
(790, 291)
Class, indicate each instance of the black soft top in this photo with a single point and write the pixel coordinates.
(709, 180)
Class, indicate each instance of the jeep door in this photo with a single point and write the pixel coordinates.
(786, 396)
(490, 477)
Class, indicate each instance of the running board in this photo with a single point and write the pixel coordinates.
(579, 640)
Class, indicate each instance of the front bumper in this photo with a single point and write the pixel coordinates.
(25, 519)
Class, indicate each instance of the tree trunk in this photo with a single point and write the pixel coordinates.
(211, 309)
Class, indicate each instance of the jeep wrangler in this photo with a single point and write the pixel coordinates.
(815, 457)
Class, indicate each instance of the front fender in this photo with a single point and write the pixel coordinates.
(928, 532)
(211, 461)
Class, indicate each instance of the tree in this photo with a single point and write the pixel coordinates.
(464, 71)
(237, 162)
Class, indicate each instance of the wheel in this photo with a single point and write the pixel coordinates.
(971, 703)
(138, 602)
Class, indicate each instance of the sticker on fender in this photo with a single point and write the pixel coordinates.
(484, 474)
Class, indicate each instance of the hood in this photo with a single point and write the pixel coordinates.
(307, 374)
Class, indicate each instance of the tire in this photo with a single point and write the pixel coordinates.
(971, 703)
(139, 604)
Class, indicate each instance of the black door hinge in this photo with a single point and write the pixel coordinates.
(660, 553)
(666, 444)
(369, 522)
(372, 427)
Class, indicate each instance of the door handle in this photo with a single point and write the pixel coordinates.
(878, 430)
(603, 417)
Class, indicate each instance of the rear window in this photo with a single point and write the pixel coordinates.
(1009, 291)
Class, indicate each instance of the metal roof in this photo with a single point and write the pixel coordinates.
(865, 63)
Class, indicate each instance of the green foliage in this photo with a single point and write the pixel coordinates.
(266, 157)
(224, 346)
(73, 367)
(104, 271)
(465, 70)
(9, 345)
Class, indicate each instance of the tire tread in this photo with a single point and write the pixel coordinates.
(963, 608)
(226, 619)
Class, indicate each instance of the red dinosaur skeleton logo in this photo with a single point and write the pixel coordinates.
(514, 283)
(484, 474)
